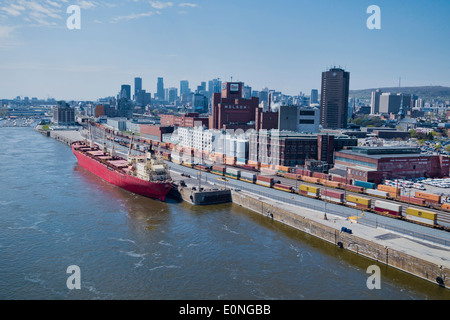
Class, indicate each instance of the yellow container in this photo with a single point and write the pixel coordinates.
(422, 214)
(360, 200)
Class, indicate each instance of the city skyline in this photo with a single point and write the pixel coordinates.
(284, 46)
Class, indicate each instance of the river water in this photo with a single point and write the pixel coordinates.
(55, 214)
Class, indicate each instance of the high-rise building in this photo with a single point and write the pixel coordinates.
(375, 102)
(160, 89)
(63, 114)
(314, 99)
(394, 103)
(125, 92)
(137, 86)
(334, 99)
(184, 87)
(299, 119)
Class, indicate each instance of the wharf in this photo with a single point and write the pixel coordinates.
(420, 258)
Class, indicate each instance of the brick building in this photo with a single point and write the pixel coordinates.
(231, 111)
(184, 120)
(376, 164)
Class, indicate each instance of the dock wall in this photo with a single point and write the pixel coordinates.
(372, 250)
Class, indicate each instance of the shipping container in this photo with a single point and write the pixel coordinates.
(394, 192)
(428, 197)
(269, 172)
(377, 193)
(283, 187)
(309, 191)
(342, 180)
(220, 170)
(388, 208)
(329, 183)
(303, 172)
(359, 202)
(248, 167)
(292, 176)
(310, 179)
(265, 181)
(321, 175)
(412, 200)
(364, 184)
(353, 188)
(332, 195)
(446, 206)
(248, 177)
(233, 173)
(422, 216)
(282, 169)
(240, 161)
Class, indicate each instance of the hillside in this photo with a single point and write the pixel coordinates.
(427, 93)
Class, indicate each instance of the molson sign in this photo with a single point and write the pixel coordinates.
(234, 87)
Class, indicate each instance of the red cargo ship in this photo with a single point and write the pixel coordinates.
(143, 175)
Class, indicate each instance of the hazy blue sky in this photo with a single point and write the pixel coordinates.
(283, 45)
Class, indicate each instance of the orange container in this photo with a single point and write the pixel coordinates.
(429, 197)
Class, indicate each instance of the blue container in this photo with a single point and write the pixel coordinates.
(365, 185)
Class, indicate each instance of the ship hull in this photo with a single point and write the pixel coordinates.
(154, 190)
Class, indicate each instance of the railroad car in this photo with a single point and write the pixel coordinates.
(321, 175)
(364, 184)
(353, 188)
(233, 173)
(248, 177)
(303, 172)
(292, 176)
(283, 187)
(377, 193)
(359, 202)
(428, 197)
(265, 181)
(389, 208)
(309, 191)
(282, 169)
(333, 196)
(219, 170)
(203, 167)
(166, 156)
(394, 192)
(342, 180)
(414, 200)
(421, 216)
(310, 179)
(329, 183)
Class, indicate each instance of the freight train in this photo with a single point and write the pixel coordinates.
(325, 187)
(328, 190)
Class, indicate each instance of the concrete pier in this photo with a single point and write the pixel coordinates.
(419, 258)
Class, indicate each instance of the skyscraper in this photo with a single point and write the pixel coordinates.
(184, 87)
(375, 102)
(314, 97)
(125, 92)
(160, 89)
(137, 86)
(334, 99)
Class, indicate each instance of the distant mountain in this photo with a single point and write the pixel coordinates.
(426, 93)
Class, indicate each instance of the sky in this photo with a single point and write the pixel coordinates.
(283, 45)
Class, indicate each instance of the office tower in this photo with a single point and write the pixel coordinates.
(247, 92)
(125, 92)
(375, 102)
(184, 87)
(160, 89)
(394, 103)
(314, 97)
(137, 86)
(214, 86)
(334, 99)
(172, 94)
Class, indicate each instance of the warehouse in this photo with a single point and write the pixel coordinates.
(377, 164)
